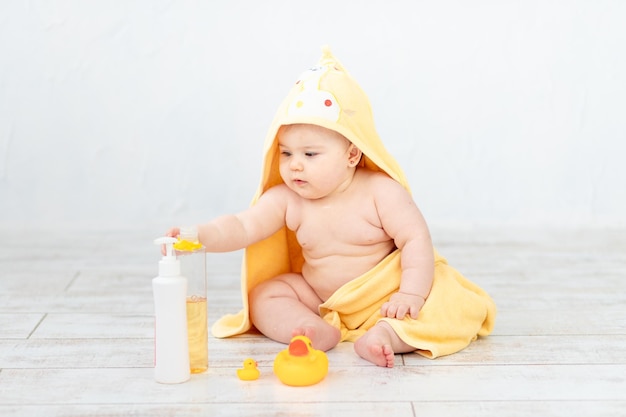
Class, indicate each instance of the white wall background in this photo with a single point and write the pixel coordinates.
(146, 114)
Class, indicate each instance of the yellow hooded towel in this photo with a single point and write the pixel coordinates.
(455, 313)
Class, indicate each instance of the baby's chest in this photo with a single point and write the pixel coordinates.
(328, 227)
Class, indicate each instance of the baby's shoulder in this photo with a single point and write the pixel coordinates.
(382, 187)
(276, 189)
(377, 179)
(279, 192)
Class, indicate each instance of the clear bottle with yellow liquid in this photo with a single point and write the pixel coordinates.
(192, 258)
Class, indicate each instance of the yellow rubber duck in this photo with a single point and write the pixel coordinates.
(300, 365)
(249, 371)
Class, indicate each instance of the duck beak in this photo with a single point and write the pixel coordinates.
(298, 348)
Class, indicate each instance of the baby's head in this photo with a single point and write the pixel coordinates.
(328, 103)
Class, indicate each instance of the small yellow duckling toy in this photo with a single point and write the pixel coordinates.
(300, 365)
(249, 371)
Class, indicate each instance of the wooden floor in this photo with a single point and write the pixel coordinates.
(76, 336)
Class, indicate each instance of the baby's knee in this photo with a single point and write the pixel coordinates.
(273, 287)
(260, 291)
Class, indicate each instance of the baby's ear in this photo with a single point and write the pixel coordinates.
(354, 155)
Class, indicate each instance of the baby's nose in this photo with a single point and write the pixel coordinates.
(295, 164)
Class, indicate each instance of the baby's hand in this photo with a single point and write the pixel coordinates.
(173, 232)
(400, 304)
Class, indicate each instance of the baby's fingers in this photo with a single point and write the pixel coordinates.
(401, 311)
(388, 310)
(414, 312)
(394, 311)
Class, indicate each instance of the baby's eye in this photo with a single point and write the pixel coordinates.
(285, 153)
(310, 154)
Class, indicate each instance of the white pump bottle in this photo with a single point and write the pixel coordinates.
(171, 355)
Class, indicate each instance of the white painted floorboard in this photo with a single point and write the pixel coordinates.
(76, 328)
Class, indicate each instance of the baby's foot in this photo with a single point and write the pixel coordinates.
(309, 332)
(320, 339)
(373, 348)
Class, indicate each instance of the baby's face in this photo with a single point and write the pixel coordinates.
(314, 161)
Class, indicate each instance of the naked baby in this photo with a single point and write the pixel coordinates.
(336, 248)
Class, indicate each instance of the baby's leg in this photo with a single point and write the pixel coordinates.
(287, 306)
(379, 344)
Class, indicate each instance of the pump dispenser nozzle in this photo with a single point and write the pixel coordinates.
(169, 266)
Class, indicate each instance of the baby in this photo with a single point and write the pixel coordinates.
(347, 219)
(336, 248)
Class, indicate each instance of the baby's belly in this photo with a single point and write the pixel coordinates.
(327, 275)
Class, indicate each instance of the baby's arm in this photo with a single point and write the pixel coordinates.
(236, 231)
(403, 222)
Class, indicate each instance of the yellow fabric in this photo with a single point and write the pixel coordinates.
(456, 311)
(328, 96)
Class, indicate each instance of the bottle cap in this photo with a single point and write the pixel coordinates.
(189, 233)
